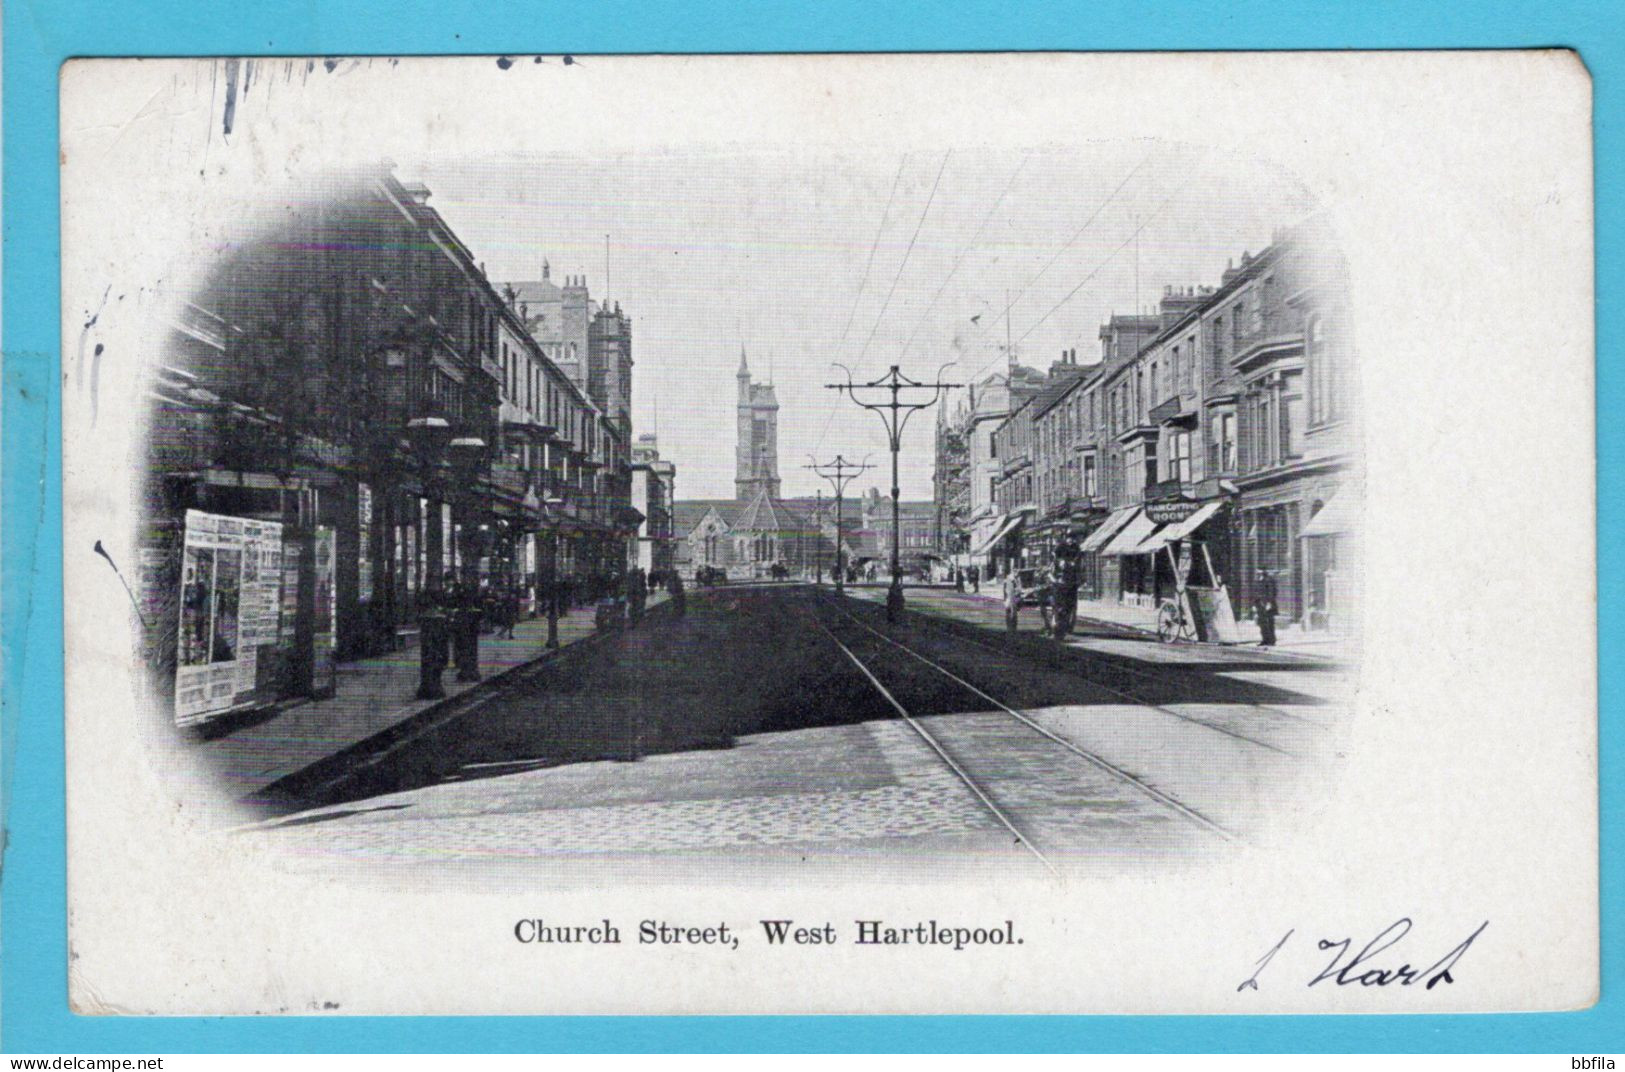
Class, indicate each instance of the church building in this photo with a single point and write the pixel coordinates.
(757, 530)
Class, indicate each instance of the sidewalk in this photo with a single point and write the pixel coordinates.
(1290, 639)
(371, 696)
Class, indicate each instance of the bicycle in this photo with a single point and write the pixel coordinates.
(1173, 623)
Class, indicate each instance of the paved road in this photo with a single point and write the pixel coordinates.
(765, 729)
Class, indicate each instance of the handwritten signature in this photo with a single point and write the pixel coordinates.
(1365, 968)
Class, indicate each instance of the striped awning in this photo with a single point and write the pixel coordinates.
(1127, 542)
(1177, 530)
(1006, 527)
(1108, 528)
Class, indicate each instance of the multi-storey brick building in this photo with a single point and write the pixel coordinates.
(1221, 422)
(348, 416)
(967, 472)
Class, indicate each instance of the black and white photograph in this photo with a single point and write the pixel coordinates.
(717, 534)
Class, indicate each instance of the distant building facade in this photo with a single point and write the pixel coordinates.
(917, 545)
(966, 470)
(653, 495)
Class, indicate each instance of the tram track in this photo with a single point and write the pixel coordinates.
(944, 747)
(1126, 697)
(1057, 659)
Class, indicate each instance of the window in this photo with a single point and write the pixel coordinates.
(1155, 396)
(1187, 373)
(1227, 443)
(1325, 389)
(1150, 465)
(1292, 416)
(1264, 455)
(1089, 487)
(1179, 457)
(1236, 313)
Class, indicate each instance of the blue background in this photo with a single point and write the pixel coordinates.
(40, 35)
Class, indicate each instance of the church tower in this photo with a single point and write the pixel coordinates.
(756, 453)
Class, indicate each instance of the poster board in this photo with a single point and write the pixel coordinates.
(230, 596)
(1214, 617)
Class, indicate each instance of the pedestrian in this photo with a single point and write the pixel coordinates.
(637, 593)
(679, 598)
(1012, 601)
(975, 578)
(505, 609)
(1265, 608)
(959, 581)
(1067, 554)
(1046, 601)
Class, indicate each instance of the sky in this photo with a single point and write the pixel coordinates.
(867, 259)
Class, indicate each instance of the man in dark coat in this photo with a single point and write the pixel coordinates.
(1265, 608)
(679, 598)
(975, 578)
(1066, 585)
(637, 592)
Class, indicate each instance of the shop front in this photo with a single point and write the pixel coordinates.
(1271, 530)
(1002, 548)
(1101, 574)
(1329, 576)
(1136, 573)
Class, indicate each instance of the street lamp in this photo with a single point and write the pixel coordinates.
(429, 434)
(548, 505)
(466, 452)
(818, 542)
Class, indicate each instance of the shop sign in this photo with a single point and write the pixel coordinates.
(1165, 513)
(230, 609)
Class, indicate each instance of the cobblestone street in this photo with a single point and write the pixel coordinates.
(750, 733)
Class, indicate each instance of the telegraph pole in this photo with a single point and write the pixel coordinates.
(839, 473)
(894, 414)
(818, 544)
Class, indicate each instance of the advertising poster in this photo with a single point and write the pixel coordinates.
(230, 589)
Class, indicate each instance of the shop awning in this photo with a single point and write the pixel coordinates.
(1336, 516)
(1134, 533)
(1006, 527)
(1108, 528)
(1177, 530)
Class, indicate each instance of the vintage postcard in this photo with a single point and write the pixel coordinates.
(894, 533)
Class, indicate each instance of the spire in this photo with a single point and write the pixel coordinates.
(744, 369)
(547, 269)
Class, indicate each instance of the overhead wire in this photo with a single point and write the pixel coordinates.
(906, 253)
(963, 252)
(1108, 259)
(862, 283)
(1011, 303)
